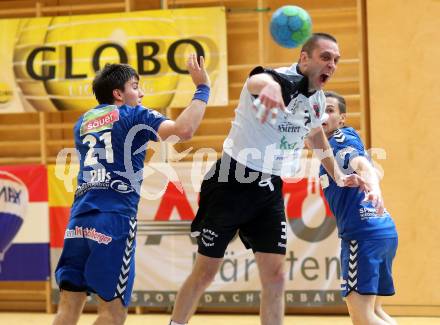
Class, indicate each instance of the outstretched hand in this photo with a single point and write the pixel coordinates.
(197, 71)
(374, 196)
(354, 180)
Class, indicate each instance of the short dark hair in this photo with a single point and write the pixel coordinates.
(341, 100)
(112, 76)
(310, 44)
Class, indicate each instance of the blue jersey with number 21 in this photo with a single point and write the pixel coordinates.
(111, 142)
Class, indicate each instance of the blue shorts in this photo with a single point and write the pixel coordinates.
(366, 266)
(98, 256)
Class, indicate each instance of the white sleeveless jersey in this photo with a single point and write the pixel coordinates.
(276, 149)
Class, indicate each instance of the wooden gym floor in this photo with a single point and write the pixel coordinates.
(211, 319)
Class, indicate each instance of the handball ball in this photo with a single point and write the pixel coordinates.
(290, 26)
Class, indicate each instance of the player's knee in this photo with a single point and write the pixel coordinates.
(112, 316)
(378, 309)
(361, 316)
(65, 317)
(204, 277)
(112, 313)
(120, 317)
(275, 280)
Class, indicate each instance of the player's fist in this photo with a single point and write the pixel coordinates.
(269, 102)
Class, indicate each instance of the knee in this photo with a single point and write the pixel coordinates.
(120, 317)
(66, 315)
(204, 277)
(65, 318)
(362, 317)
(113, 317)
(378, 309)
(273, 280)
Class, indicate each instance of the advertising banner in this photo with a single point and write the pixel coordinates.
(24, 223)
(48, 63)
(165, 250)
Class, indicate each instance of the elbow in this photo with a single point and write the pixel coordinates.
(186, 134)
(254, 85)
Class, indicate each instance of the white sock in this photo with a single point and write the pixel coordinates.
(174, 323)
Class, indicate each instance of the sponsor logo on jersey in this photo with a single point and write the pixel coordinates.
(99, 119)
(101, 179)
(99, 175)
(287, 127)
(316, 109)
(89, 233)
(95, 179)
(285, 145)
(367, 213)
(121, 187)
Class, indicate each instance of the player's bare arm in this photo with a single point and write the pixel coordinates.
(319, 143)
(189, 120)
(363, 168)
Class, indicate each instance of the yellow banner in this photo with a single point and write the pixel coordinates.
(48, 63)
(62, 184)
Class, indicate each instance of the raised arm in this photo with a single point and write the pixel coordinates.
(189, 120)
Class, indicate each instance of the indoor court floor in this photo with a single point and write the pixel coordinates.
(206, 319)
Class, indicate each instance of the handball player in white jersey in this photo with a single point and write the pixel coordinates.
(242, 192)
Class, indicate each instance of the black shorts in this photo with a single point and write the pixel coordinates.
(242, 200)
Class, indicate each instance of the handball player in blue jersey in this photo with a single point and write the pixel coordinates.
(367, 231)
(99, 242)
